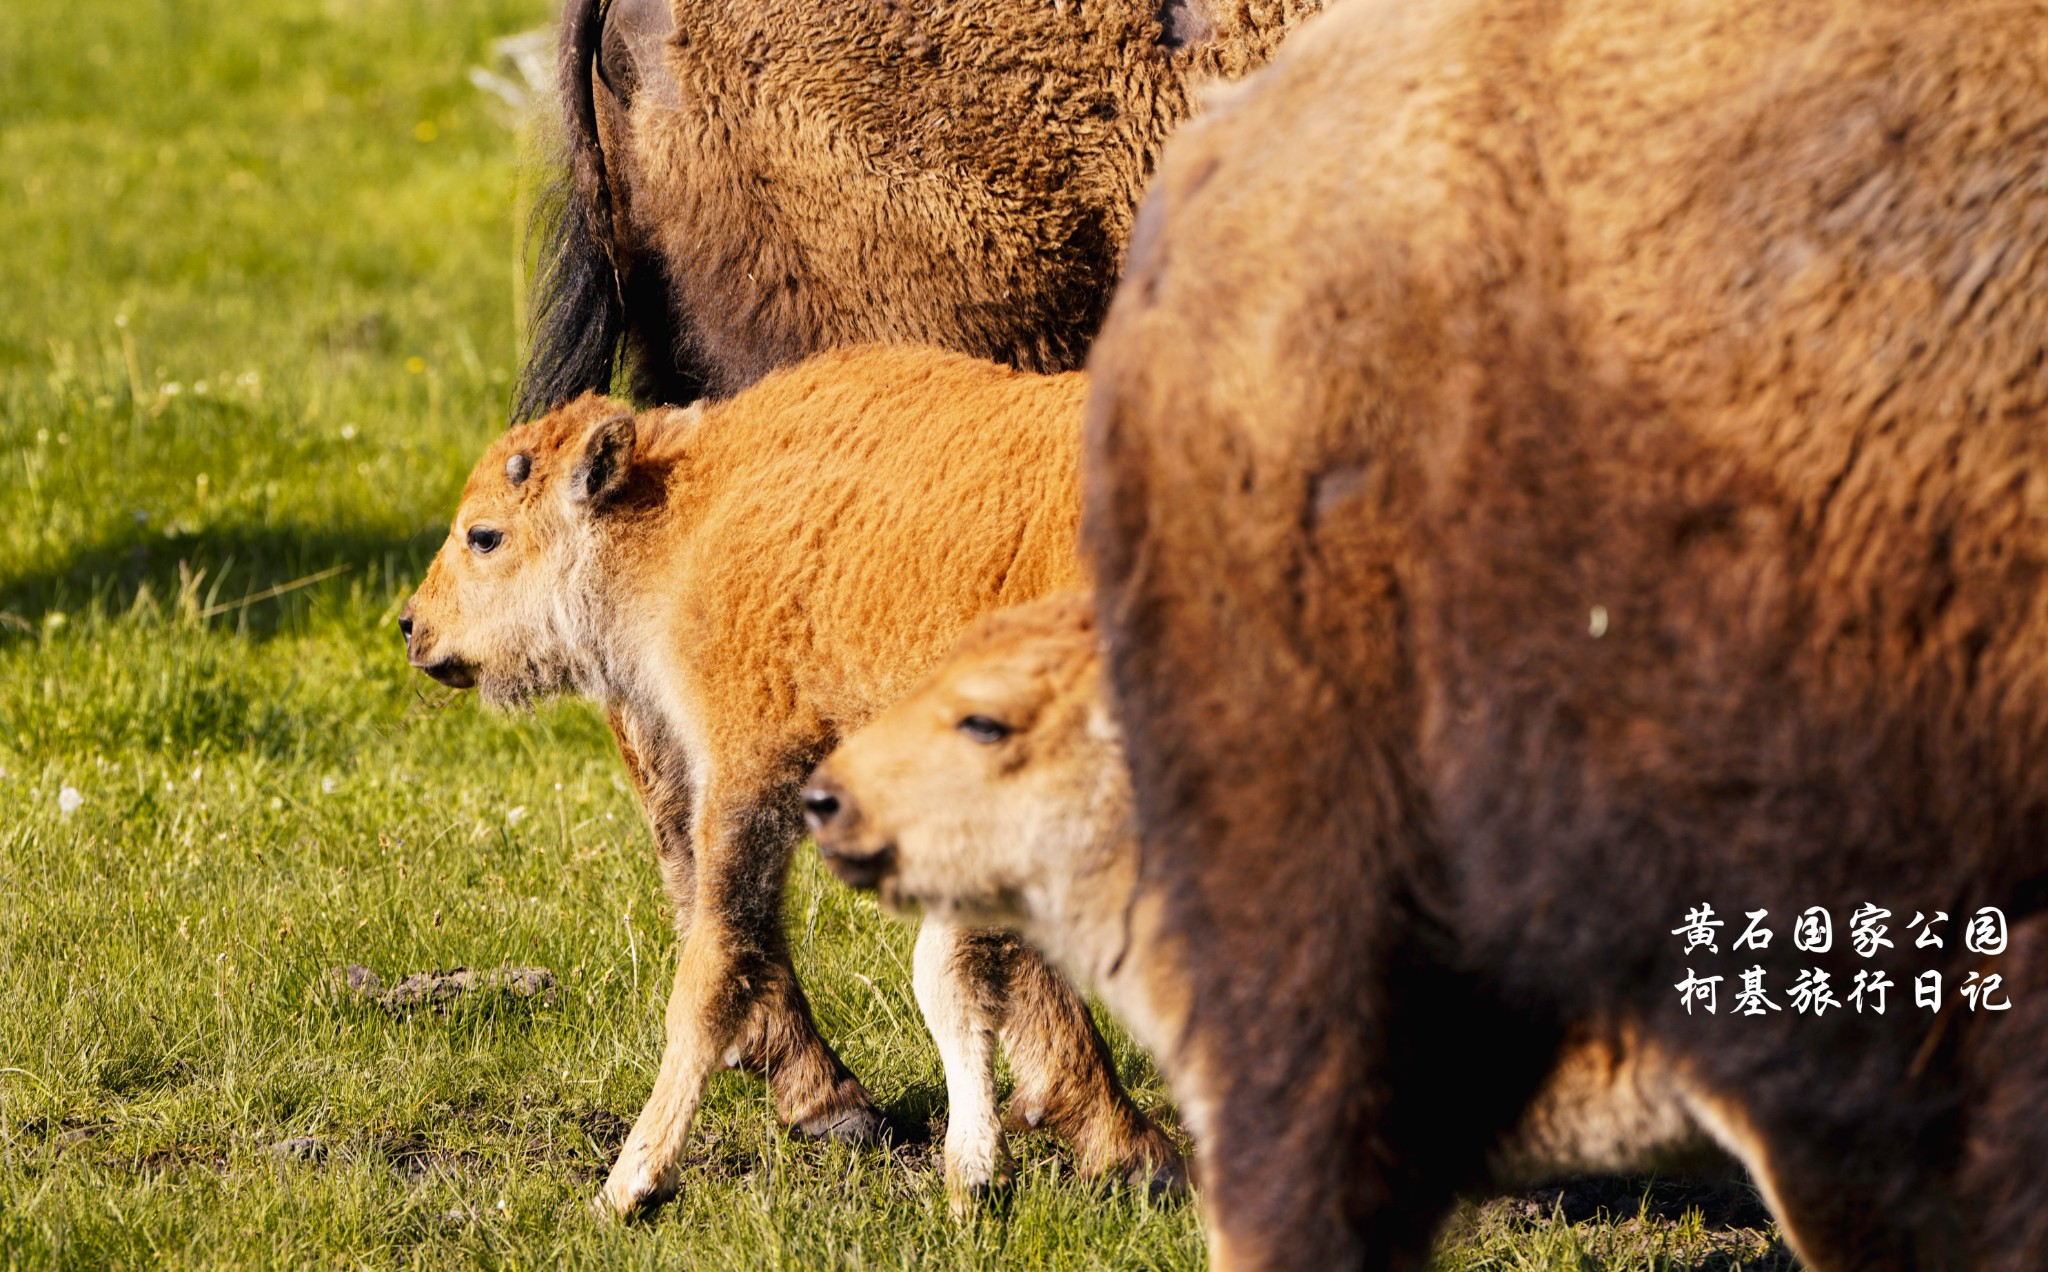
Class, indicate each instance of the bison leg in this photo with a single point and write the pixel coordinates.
(977, 986)
(1066, 1078)
(816, 1095)
(735, 1003)
(957, 989)
(661, 778)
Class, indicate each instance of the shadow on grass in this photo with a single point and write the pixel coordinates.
(249, 576)
(1727, 1204)
(1723, 1201)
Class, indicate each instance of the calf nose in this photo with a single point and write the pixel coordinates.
(405, 626)
(821, 805)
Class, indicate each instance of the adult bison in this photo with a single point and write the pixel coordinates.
(754, 181)
(1553, 467)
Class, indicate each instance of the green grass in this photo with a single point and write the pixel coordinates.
(262, 279)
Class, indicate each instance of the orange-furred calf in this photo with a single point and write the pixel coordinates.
(740, 585)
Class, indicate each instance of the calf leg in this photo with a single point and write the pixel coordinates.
(815, 1094)
(957, 989)
(1066, 1078)
(735, 1001)
(977, 986)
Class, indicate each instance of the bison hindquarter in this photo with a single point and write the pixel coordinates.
(758, 180)
(1546, 469)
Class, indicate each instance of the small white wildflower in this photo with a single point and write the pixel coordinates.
(512, 815)
(200, 387)
(327, 785)
(69, 800)
(173, 389)
(348, 432)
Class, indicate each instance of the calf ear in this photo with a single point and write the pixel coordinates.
(607, 453)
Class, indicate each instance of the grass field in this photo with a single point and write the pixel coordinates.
(262, 275)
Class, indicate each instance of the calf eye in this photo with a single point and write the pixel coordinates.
(482, 540)
(984, 730)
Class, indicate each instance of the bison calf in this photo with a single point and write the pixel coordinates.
(995, 793)
(740, 585)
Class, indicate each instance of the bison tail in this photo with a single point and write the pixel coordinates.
(579, 312)
(578, 322)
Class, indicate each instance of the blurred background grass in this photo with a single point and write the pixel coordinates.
(262, 282)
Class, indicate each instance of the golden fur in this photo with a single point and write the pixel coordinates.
(1550, 466)
(740, 585)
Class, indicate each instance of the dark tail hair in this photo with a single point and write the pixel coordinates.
(579, 311)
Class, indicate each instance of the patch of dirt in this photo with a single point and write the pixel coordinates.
(300, 1148)
(176, 1159)
(606, 1129)
(441, 992)
(415, 1157)
(605, 1132)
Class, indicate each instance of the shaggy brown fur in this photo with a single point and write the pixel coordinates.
(758, 180)
(1027, 826)
(1552, 466)
(740, 585)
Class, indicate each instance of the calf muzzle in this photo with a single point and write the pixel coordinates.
(829, 812)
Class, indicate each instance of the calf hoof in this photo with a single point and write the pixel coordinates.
(1149, 1160)
(977, 1177)
(1160, 1178)
(632, 1191)
(862, 1124)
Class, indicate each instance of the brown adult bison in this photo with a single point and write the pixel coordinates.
(1551, 467)
(757, 180)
